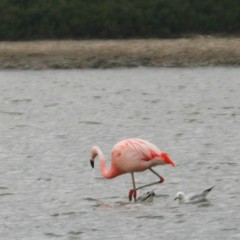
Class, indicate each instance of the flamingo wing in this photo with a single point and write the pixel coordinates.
(145, 149)
(133, 154)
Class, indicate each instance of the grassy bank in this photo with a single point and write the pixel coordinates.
(197, 51)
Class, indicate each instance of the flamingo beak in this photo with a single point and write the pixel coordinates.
(92, 163)
(167, 159)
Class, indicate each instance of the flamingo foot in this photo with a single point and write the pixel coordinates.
(161, 179)
(132, 194)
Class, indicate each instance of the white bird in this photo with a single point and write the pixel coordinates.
(192, 198)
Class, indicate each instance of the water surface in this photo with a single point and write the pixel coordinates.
(50, 119)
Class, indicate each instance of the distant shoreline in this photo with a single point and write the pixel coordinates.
(71, 54)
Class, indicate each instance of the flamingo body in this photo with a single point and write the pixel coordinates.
(129, 156)
(135, 155)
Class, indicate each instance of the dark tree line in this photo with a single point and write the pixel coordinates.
(88, 19)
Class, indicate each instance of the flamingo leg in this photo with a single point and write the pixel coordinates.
(133, 192)
(150, 184)
(154, 172)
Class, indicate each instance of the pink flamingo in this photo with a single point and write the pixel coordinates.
(129, 156)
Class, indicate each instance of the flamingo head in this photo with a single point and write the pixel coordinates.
(94, 153)
(92, 163)
(167, 159)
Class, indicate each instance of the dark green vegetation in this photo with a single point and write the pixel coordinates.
(88, 19)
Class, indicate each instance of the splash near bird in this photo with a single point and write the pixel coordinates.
(129, 156)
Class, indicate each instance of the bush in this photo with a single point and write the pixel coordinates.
(88, 19)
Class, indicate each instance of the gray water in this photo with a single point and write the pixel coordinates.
(50, 119)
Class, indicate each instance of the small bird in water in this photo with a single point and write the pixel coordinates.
(192, 198)
(146, 197)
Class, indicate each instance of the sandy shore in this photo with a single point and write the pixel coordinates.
(197, 51)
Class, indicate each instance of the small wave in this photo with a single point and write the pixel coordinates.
(50, 105)
(181, 86)
(61, 136)
(6, 194)
(22, 126)
(228, 107)
(229, 229)
(90, 199)
(191, 120)
(155, 101)
(45, 179)
(66, 214)
(194, 113)
(206, 203)
(12, 113)
(97, 97)
(21, 100)
(53, 235)
(89, 122)
(75, 232)
(179, 134)
(151, 217)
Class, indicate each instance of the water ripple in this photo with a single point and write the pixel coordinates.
(41, 188)
(49, 234)
(50, 105)
(6, 194)
(12, 113)
(21, 100)
(67, 214)
(89, 122)
(76, 232)
(151, 217)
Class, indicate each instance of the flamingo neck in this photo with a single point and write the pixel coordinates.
(107, 173)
